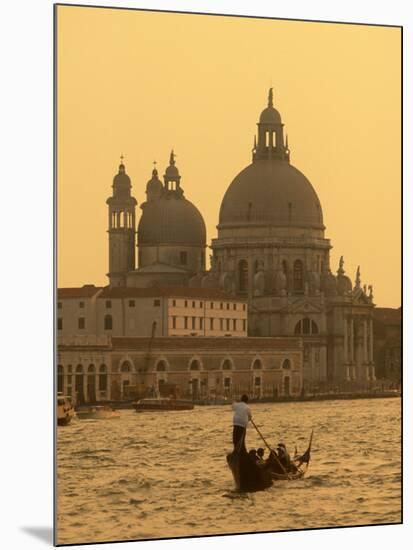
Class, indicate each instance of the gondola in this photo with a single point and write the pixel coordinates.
(249, 476)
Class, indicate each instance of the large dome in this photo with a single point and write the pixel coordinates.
(271, 192)
(171, 220)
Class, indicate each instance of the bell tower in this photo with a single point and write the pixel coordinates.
(121, 228)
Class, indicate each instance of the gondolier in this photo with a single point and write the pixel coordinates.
(242, 415)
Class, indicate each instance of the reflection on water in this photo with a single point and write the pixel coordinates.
(155, 475)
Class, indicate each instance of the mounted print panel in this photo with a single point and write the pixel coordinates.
(228, 316)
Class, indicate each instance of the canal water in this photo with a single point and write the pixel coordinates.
(156, 475)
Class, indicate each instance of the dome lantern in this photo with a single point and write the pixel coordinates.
(270, 134)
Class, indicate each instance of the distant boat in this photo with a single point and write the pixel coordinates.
(97, 412)
(65, 410)
(162, 404)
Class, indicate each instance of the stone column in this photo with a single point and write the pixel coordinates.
(365, 350)
(97, 384)
(345, 341)
(85, 391)
(371, 358)
(351, 340)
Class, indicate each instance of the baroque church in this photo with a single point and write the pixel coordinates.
(270, 251)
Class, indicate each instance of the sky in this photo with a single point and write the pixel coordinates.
(141, 83)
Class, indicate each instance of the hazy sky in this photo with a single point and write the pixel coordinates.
(141, 83)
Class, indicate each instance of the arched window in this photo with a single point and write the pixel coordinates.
(108, 322)
(298, 280)
(103, 378)
(306, 326)
(257, 364)
(161, 366)
(91, 368)
(194, 365)
(60, 378)
(243, 276)
(79, 369)
(125, 367)
(227, 365)
(286, 364)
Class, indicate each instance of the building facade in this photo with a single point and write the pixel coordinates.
(110, 368)
(270, 275)
(139, 312)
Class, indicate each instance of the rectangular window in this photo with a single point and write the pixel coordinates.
(200, 304)
(193, 322)
(186, 303)
(156, 303)
(193, 304)
(201, 324)
(174, 303)
(185, 322)
(212, 305)
(59, 323)
(59, 305)
(108, 304)
(183, 258)
(81, 305)
(222, 305)
(131, 303)
(227, 306)
(173, 322)
(227, 324)
(234, 307)
(211, 324)
(244, 307)
(81, 322)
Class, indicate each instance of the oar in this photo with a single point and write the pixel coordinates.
(271, 450)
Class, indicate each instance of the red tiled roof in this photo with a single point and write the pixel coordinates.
(85, 291)
(168, 291)
(202, 342)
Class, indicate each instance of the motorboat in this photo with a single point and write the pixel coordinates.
(65, 410)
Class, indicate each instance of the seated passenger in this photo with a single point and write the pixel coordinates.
(252, 453)
(260, 456)
(283, 456)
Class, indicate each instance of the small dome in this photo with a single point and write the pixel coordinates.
(154, 187)
(171, 172)
(171, 220)
(270, 116)
(122, 178)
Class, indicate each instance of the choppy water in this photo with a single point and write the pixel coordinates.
(154, 475)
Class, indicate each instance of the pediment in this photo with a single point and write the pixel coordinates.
(360, 298)
(304, 306)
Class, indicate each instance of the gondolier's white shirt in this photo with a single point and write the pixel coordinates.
(242, 414)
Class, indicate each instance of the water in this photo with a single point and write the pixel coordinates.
(155, 475)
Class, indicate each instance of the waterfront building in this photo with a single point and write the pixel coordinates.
(270, 276)
(157, 311)
(112, 368)
(388, 343)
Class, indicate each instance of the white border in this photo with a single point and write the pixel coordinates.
(26, 275)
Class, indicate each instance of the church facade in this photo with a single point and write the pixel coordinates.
(270, 264)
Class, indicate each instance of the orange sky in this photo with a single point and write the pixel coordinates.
(140, 83)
